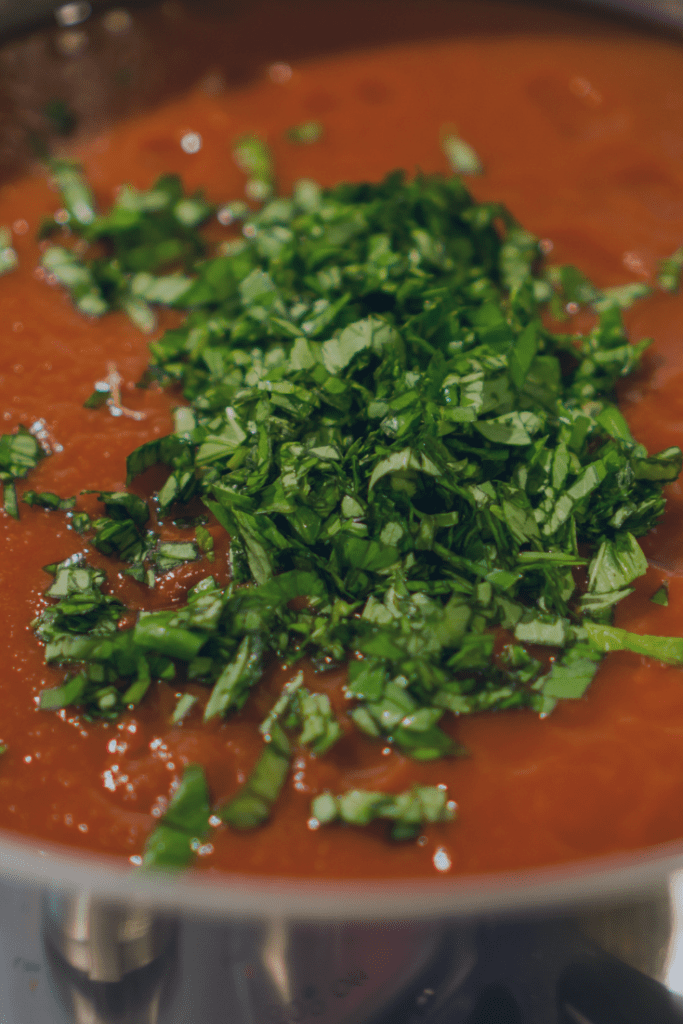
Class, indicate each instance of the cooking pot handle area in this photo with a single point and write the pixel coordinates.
(604, 990)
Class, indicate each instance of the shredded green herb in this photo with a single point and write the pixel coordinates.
(252, 805)
(19, 453)
(408, 811)
(48, 500)
(305, 134)
(661, 595)
(668, 649)
(406, 459)
(8, 257)
(253, 157)
(174, 842)
(98, 398)
(147, 233)
(183, 708)
(462, 158)
(669, 271)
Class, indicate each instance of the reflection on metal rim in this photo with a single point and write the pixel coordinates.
(591, 882)
(668, 11)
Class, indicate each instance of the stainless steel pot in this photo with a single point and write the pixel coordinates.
(338, 951)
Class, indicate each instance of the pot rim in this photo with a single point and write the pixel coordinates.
(592, 881)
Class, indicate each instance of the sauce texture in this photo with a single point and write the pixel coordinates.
(580, 131)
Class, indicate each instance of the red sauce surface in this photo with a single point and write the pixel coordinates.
(581, 134)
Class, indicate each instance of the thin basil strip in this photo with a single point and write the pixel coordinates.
(253, 804)
(173, 843)
(408, 811)
(668, 649)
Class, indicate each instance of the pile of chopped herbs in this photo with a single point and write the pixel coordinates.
(410, 464)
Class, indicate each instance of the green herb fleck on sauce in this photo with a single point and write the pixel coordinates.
(305, 134)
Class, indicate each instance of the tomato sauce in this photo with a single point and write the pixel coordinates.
(580, 129)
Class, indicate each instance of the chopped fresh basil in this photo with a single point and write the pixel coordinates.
(80, 521)
(19, 453)
(174, 841)
(81, 280)
(623, 296)
(664, 466)
(231, 689)
(569, 676)
(253, 157)
(462, 158)
(189, 808)
(616, 564)
(305, 134)
(65, 695)
(147, 233)
(98, 398)
(183, 707)
(669, 271)
(82, 628)
(155, 631)
(77, 196)
(10, 499)
(168, 848)
(668, 649)
(408, 812)
(406, 460)
(48, 500)
(310, 712)
(8, 257)
(252, 805)
(320, 730)
(122, 533)
(170, 554)
(289, 691)
(205, 542)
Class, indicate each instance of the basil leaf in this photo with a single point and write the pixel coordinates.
(63, 696)
(9, 260)
(232, 686)
(183, 707)
(48, 500)
(320, 730)
(253, 157)
(189, 808)
(668, 649)
(570, 676)
(669, 271)
(252, 805)
(155, 631)
(305, 134)
(77, 196)
(173, 842)
(461, 156)
(409, 811)
(289, 692)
